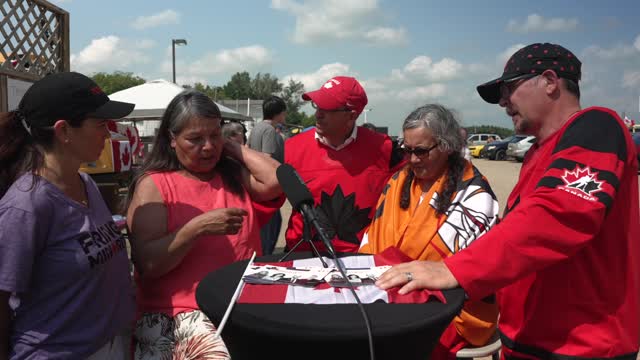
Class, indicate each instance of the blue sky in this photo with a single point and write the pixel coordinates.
(405, 53)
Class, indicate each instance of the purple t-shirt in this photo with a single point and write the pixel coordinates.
(66, 266)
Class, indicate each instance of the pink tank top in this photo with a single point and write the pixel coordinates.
(186, 198)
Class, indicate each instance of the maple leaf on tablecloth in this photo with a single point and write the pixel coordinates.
(340, 216)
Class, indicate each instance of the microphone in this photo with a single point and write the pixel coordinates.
(301, 199)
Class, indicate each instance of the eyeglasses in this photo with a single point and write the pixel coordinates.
(315, 106)
(418, 151)
(509, 86)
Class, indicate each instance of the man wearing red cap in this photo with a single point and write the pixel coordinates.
(565, 258)
(344, 166)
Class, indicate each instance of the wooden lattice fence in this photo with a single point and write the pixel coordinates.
(34, 39)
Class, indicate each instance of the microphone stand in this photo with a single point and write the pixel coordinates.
(309, 219)
(306, 236)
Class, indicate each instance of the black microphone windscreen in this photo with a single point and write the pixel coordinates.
(293, 186)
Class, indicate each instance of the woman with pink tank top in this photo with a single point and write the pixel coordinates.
(191, 210)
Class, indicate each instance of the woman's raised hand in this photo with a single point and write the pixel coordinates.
(232, 149)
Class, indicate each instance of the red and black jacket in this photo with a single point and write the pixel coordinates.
(565, 259)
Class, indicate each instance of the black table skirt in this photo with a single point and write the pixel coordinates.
(309, 331)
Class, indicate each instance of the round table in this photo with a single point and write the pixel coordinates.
(310, 331)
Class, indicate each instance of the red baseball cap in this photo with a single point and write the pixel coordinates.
(338, 92)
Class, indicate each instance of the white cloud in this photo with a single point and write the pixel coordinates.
(631, 79)
(145, 44)
(537, 23)
(505, 55)
(331, 20)
(373, 85)
(108, 53)
(422, 92)
(480, 69)
(166, 17)
(287, 5)
(229, 60)
(615, 52)
(423, 69)
(314, 80)
(426, 69)
(386, 35)
(611, 76)
(417, 82)
(223, 62)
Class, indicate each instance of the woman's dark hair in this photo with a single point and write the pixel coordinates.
(272, 106)
(446, 130)
(22, 151)
(162, 158)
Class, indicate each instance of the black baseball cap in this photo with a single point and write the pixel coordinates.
(533, 59)
(68, 95)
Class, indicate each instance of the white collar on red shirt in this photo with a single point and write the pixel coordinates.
(348, 141)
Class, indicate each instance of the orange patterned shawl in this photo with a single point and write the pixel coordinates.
(422, 234)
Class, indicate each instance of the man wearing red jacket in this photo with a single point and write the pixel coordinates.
(565, 259)
(345, 166)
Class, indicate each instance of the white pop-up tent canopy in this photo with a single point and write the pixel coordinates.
(152, 98)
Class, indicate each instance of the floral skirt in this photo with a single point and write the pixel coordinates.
(118, 348)
(189, 335)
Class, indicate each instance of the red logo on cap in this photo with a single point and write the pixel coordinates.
(96, 90)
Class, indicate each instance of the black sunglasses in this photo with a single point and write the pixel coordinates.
(509, 86)
(418, 151)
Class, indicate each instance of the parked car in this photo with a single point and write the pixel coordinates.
(498, 150)
(481, 139)
(517, 150)
(475, 150)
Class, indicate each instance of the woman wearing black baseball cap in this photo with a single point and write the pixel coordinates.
(65, 285)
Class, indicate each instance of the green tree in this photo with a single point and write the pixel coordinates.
(214, 92)
(242, 86)
(292, 95)
(308, 120)
(239, 87)
(264, 85)
(116, 81)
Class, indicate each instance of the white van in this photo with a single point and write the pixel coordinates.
(481, 139)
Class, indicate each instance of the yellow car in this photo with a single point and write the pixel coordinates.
(475, 150)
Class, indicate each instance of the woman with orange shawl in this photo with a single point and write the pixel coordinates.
(437, 205)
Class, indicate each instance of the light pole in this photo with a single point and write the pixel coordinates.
(175, 42)
(365, 111)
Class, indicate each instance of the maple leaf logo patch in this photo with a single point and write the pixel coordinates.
(339, 216)
(582, 182)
